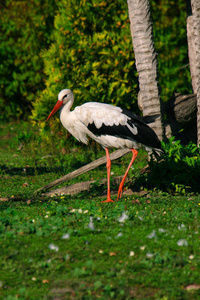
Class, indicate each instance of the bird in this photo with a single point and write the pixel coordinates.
(108, 125)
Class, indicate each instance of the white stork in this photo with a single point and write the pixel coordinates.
(108, 125)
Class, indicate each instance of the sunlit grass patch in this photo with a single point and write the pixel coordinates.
(145, 246)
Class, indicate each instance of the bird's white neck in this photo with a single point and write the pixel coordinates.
(65, 111)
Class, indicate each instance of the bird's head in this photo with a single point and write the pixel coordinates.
(64, 97)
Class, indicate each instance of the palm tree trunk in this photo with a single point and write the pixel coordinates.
(195, 5)
(191, 46)
(146, 60)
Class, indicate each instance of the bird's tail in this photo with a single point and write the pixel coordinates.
(150, 119)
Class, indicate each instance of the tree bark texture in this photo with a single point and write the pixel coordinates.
(181, 118)
(195, 4)
(83, 186)
(191, 46)
(146, 60)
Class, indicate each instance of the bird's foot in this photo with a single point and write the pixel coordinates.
(119, 194)
(108, 200)
(120, 191)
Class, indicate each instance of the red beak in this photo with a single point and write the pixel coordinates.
(56, 107)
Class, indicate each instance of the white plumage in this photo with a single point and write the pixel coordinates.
(108, 125)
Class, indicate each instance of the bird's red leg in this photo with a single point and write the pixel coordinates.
(108, 165)
(123, 180)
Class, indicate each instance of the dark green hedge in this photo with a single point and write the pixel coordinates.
(86, 46)
(25, 28)
(170, 37)
(91, 53)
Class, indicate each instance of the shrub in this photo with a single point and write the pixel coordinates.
(91, 53)
(176, 171)
(170, 37)
(25, 30)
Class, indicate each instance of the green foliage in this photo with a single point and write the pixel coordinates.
(48, 249)
(170, 38)
(48, 243)
(91, 53)
(176, 171)
(25, 30)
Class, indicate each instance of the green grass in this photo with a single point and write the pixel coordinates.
(75, 247)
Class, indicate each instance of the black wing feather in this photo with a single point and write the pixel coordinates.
(145, 135)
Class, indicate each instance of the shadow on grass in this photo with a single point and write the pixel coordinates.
(40, 170)
(170, 176)
(29, 170)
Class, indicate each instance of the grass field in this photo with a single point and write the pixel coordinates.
(145, 246)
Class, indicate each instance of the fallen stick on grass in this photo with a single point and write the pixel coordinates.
(82, 186)
(98, 162)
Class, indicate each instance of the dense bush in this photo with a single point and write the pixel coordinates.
(169, 23)
(25, 30)
(176, 171)
(91, 53)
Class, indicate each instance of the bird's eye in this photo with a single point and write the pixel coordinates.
(65, 96)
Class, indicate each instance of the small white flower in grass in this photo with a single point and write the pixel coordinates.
(100, 251)
(131, 253)
(46, 216)
(66, 236)
(80, 211)
(161, 230)
(91, 224)
(123, 217)
(53, 247)
(86, 211)
(119, 234)
(181, 227)
(182, 242)
(191, 256)
(33, 278)
(149, 255)
(73, 210)
(152, 235)
(33, 220)
(142, 248)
